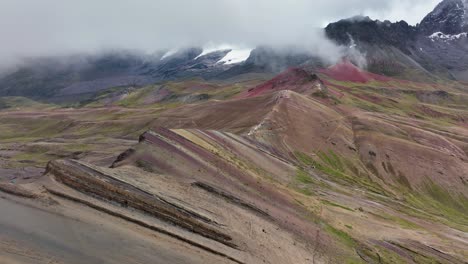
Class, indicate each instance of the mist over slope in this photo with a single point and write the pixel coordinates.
(421, 52)
(436, 47)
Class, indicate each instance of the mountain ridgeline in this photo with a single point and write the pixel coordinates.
(435, 49)
(236, 155)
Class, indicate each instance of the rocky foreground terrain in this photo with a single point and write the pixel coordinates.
(337, 165)
(278, 158)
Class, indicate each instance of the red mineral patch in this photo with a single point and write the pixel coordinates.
(295, 79)
(346, 71)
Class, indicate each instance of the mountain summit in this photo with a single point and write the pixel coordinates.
(435, 48)
(243, 155)
(449, 17)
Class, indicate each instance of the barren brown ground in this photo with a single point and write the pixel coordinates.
(283, 177)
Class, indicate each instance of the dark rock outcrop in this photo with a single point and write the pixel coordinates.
(88, 180)
(437, 47)
(449, 17)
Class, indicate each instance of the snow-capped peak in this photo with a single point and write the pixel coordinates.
(212, 48)
(449, 17)
(236, 56)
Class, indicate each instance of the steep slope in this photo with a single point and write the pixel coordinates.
(265, 59)
(346, 71)
(375, 171)
(435, 48)
(449, 17)
(364, 150)
(317, 165)
(289, 122)
(49, 77)
(284, 120)
(81, 77)
(375, 32)
(443, 38)
(295, 79)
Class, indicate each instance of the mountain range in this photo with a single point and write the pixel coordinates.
(233, 155)
(434, 49)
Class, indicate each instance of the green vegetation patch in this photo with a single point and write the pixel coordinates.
(303, 177)
(20, 102)
(342, 236)
(435, 201)
(340, 168)
(332, 160)
(303, 181)
(398, 220)
(336, 205)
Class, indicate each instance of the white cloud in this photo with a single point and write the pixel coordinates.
(55, 27)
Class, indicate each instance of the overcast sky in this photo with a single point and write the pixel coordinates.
(47, 27)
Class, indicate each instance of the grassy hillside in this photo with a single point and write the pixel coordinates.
(340, 165)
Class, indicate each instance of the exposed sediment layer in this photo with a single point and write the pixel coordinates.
(231, 198)
(16, 190)
(86, 179)
(140, 223)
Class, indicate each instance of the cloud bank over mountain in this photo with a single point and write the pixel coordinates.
(54, 27)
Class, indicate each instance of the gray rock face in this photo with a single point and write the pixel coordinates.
(371, 32)
(437, 47)
(451, 53)
(87, 75)
(265, 59)
(46, 77)
(449, 17)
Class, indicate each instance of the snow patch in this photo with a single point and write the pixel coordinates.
(169, 53)
(210, 49)
(236, 56)
(447, 37)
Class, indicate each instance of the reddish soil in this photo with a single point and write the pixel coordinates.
(295, 79)
(346, 71)
(275, 175)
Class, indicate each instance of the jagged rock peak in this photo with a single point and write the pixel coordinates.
(448, 17)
